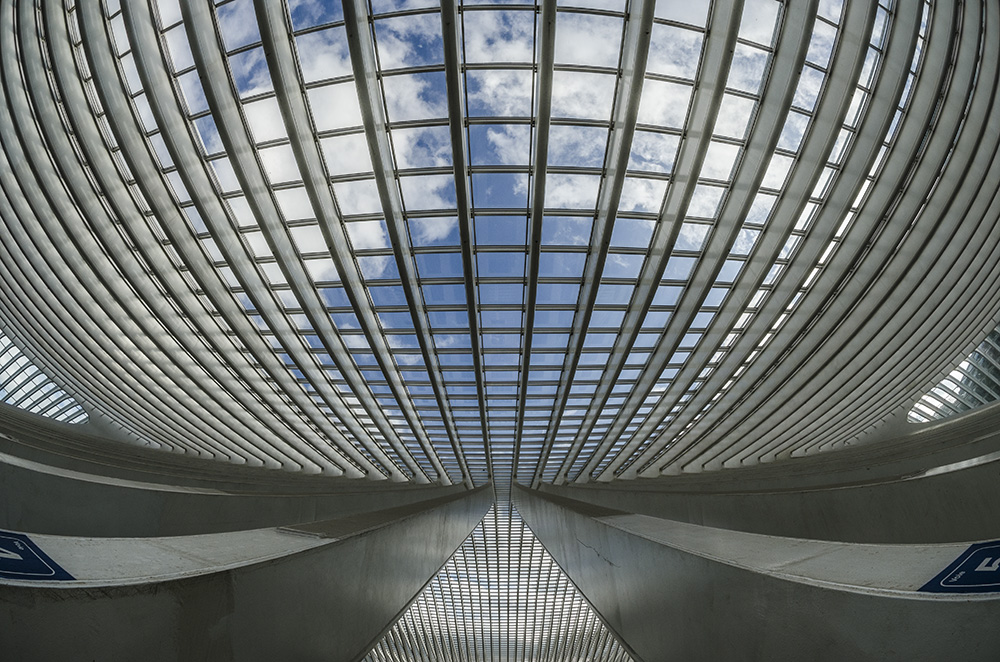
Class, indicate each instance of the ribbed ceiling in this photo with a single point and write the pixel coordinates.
(557, 242)
(562, 242)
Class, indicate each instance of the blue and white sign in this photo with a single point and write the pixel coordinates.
(20, 558)
(977, 570)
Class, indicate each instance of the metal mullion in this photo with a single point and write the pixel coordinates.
(17, 354)
(844, 192)
(634, 52)
(432, 642)
(504, 169)
(362, 49)
(235, 135)
(977, 300)
(780, 88)
(109, 103)
(54, 402)
(980, 274)
(994, 348)
(65, 335)
(584, 69)
(824, 128)
(413, 643)
(87, 133)
(493, 119)
(889, 265)
(110, 384)
(402, 71)
(62, 408)
(964, 396)
(192, 170)
(28, 399)
(480, 607)
(453, 58)
(67, 285)
(545, 69)
(416, 172)
(461, 638)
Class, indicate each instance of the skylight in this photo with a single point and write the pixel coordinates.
(25, 386)
(502, 598)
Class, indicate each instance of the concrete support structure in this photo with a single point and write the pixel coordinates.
(823, 560)
(257, 567)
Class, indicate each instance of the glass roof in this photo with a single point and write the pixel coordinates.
(499, 597)
(24, 385)
(464, 241)
(470, 241)
(973, 383)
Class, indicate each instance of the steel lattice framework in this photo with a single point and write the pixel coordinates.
(455, 242)
(500, 597)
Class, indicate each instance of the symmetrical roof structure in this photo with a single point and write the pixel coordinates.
(464, 242)
(500, 597)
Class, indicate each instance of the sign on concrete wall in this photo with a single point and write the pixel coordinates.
(20, 558)
(977, 570)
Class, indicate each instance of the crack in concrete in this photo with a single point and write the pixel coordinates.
(599, 555)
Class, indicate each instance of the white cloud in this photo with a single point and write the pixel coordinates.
(238, 24)
(653, 151)
(691, 236)
(642, 195)
(499, 36)
(719, 161)
(323, 54)
(322, 269)
(674, 51)
(512, 144)
(264, 118)
(360, 197)
(745, 242)
(503, 92)
(821, 44)
(808, 88)
(225, 174)
(178, 48)
(422, 148)
(335, 106)
(571, 191)
(577, 145)
(431, 230)
(294, 204)
(279, 164)
(693, 12)
(169, 11)
(368, 235)
(734, 116)
(582, 95)
(705, 201)
(409, 41)
(776, 172)
(346, 154)
(250, 72)
(664, 103)
(757, 22)
(194, 93)
(425, 192)
(588, 39)
(414, 97)
(746, 71)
